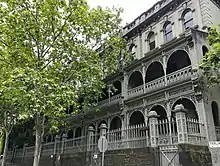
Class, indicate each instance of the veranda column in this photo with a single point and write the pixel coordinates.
(103, 129)
(64, 139)
(180, 113)
(57, 139)
(153, 124)
(90, 139)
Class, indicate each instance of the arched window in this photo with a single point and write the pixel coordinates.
(132, 48)
(215, 113)
(187, 19)
(168, 34)
(151, 40)
(204, 50)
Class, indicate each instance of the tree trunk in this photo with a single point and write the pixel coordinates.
(5, 148)
(37, 150)
(38, 141)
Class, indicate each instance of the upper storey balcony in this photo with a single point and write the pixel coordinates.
(157, 76)
(111, 94)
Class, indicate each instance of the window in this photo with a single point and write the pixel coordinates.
(168, 34)
(187, 19)
(151, 41)
(132, 49)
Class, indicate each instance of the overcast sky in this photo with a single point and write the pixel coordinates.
(132, 8)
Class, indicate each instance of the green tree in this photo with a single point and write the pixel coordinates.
(62, 50)
(211, 60)
(10, 102)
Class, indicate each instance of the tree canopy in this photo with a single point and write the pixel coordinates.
(55, 52)
(211, 60)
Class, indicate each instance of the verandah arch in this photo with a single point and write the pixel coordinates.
(78, 132)
(163, 125)
(154, 71)
(178, 60)
(70, 134)
(115, 129)
(117, 86)
(136, 118)
(189, 106)
(116, 123)
(135, 80)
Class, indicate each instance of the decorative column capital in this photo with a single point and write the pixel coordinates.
(103, 129)
(153, 114)
(179, 108)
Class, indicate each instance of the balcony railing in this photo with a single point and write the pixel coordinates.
(155, 84)
(136, 91)
(112, 100)
(177, 76)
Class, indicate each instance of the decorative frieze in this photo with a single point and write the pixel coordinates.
(180, 90)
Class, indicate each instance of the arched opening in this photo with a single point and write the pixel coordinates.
(168, 34)
(178, 60)
(137, 124)
(189, 106)
(204, 50)
(215, 113)
(192, 120)
(115, 129)
(132, 48)
(117, 88)
(187, 18)
(78, 132)
(136, 118)
(160, 111)
(70, 134)
(115, 123)
(163, 124)
(135, 80)
(151, 41)
(49, 138)
(154, 71)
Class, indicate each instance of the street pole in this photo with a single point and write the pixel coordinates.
(103, 155)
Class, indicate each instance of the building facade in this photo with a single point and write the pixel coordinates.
(168, 42)
(160, 98)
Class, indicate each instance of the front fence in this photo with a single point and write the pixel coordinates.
(136, 136)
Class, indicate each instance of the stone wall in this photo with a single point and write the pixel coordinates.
(132, 157)
(191, 155)
(126, 157)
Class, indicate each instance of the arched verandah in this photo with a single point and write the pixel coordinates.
(135, 80)
(70, 134)
(115, 129)
(178, 60)
(136, 122)
(136, 118)
(117, 88)
(192, 121)
(154, 71)
(163, 124)
(189, 106)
